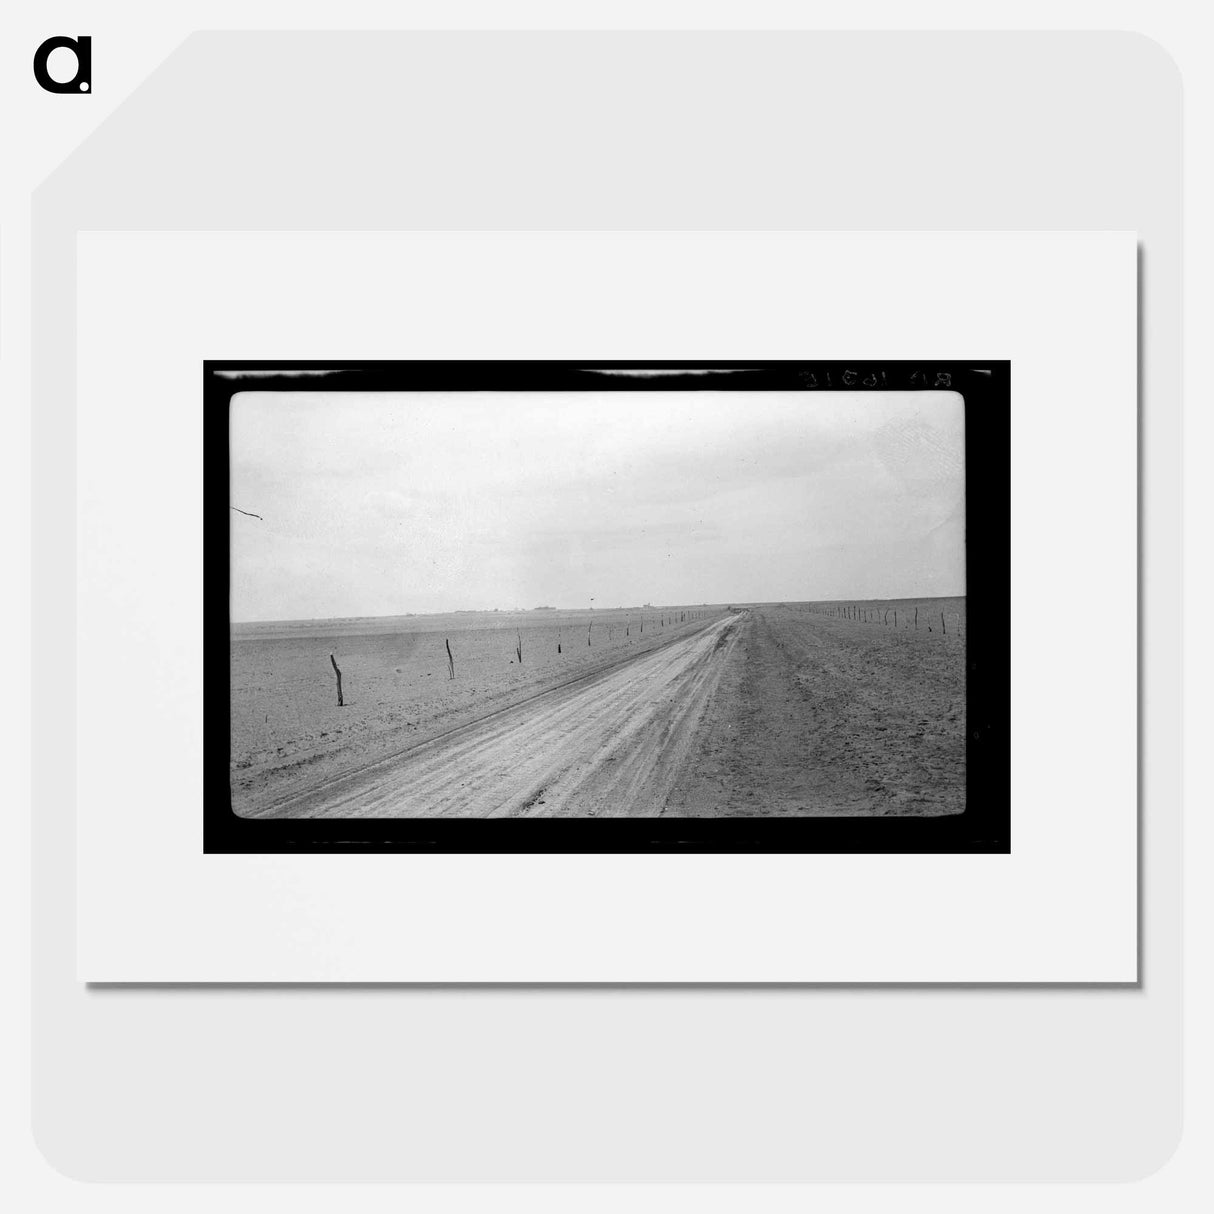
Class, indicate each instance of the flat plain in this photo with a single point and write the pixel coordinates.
(782, 709)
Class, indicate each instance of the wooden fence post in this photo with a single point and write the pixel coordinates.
(340, 701)
(450, 661)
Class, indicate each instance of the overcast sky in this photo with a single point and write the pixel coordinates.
(385, 503)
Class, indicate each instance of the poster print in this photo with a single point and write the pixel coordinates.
(607, 607)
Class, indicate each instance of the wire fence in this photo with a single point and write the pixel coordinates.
(904, 619)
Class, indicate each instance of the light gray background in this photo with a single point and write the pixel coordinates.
(617, 131)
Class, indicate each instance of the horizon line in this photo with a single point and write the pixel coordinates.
(555, 610)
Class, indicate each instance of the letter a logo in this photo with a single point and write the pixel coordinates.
(82, 81)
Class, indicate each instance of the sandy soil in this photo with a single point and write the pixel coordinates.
(778, 710)
(822, 716)
(608, 743)
(288, 736)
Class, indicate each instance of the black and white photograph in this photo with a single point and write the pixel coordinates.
(682, 605)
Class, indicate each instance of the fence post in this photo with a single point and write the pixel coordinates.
(340, 701)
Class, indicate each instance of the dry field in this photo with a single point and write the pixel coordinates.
(771, 709)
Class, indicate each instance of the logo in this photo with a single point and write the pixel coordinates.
(82, 48)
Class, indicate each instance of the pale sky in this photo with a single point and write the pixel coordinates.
(386, 503)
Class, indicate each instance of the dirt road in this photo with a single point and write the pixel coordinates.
(615, 743)
(775, 710)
